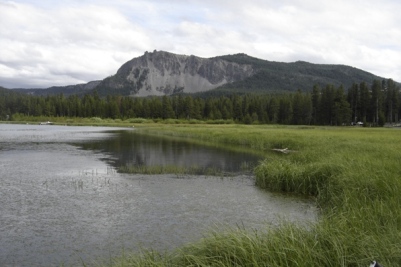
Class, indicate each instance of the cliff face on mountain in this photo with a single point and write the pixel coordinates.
(163, 73)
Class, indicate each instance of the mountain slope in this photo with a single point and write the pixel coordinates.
(78, 89)
(279, 76)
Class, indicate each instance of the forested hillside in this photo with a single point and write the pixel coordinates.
(374, 104)
(289, 77)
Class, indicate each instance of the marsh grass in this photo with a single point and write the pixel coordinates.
(353, 173)
(245, 167)
(170, 169)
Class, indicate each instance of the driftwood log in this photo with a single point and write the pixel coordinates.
(283, 150)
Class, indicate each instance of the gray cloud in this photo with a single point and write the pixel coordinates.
(45, 43)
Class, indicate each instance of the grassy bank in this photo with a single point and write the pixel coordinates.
(355, 175)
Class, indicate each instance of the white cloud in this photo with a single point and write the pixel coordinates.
(66, 45)
(44, 43)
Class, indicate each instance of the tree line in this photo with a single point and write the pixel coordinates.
(376, 104)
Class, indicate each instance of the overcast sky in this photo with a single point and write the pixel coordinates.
(45, 43)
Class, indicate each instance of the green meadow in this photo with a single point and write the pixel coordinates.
(353, 173)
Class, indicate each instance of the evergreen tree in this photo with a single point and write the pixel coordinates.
(376, 101)
(237, 108)
(245, 105)
(155, 108)
(327, 105)
(364, 101)
(391, 101)
(180, 111)
(341, 110)
(306, 109)
(353, 100)
(189, 109)
(273, 109)
(316, 92)
(227, 109)
(113, 110)
(198, 109)
(146, 109)
(167, 109)
(285, 110)
(297, 102)
(207, 112)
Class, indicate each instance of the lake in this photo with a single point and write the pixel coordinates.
(64, 202)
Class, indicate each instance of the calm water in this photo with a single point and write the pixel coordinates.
(134, 148)
(63, 200)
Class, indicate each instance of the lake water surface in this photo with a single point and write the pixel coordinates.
(63, 202)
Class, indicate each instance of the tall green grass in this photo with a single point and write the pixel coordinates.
(353, 173)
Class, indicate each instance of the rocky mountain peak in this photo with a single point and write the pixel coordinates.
(164, 73)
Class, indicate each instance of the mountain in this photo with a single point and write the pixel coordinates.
(163, 73)
(78, 89)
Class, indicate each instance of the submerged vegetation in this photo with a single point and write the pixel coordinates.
(354, 175)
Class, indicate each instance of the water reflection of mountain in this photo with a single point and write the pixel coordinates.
(139, 149)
